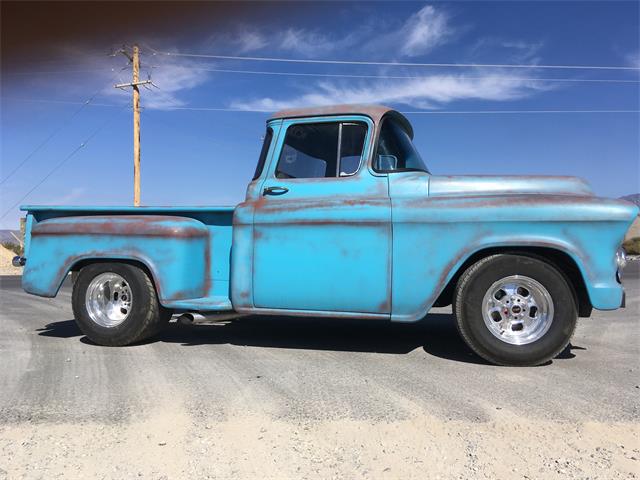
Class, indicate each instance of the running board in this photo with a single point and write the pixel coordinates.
(217, 303)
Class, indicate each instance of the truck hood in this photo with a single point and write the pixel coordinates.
(467, 185)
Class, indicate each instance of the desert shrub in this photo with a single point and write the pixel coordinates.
(14, 247)
(632, 246)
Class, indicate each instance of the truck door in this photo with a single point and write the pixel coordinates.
(322, 229)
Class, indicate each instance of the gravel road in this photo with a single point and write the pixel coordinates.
(267, 397)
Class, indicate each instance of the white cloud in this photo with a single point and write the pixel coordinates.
(301, 41)
(429, 92)
(421, 32)
(510, 51)
(250, 40)
(243, 39)
(633, 59)
(306, 42)
(171, 77)
(425, 30)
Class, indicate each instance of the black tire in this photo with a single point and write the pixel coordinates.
(468, 309)
(146, 318)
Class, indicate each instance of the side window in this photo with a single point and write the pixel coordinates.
(263, 153)
(395, 151)
(309, 151)
(317, 150)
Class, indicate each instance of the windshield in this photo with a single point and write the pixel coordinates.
(396, 152)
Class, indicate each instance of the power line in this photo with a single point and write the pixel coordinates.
(54, 133)
(57, 167)
(245, 110)
(399, 77)
(415, 112)
(52, 72)
(337, 75)
(506, 112)
(63, 102)
(398, 64)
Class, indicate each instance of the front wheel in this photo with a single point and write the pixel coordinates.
(116, 304)
(515, 310)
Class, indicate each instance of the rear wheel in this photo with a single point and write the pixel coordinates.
(116, 304)
(515, 310)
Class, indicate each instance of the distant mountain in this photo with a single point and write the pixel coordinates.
(633, 198)
(5, 236)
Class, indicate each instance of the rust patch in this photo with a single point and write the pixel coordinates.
(260, 202)
(326, 223)
(131, 255)
(207, 269)
(126, 225)
(312, 314)
(320, 203)
(511, 200)
(384, 306)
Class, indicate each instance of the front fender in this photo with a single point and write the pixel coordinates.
(175, 250)
(433, 238)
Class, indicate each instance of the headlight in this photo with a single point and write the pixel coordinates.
(621, 258)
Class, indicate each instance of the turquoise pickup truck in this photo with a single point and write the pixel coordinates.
(343, 219)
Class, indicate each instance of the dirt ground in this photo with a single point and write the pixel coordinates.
(168, 445)
(5, 263)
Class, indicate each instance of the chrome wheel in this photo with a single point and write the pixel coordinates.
(517, 310)
(108, 299)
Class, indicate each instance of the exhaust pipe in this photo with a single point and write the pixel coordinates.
(197, 318)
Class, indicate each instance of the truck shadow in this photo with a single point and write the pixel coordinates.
(436, 335)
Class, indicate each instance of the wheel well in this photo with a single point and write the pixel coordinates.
(76, 267)
(561, 260)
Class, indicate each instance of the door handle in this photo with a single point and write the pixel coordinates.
(276, 190)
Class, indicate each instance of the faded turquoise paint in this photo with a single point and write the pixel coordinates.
(27, 233)
(369, 245)
(464, 185)
(177, 248)
(435, 234)
(322, 230)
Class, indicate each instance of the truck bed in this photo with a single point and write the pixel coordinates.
(187, 249)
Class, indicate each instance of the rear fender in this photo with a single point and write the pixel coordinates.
(175, 250)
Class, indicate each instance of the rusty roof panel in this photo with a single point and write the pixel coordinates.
(375, 112)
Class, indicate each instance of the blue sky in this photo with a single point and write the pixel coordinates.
(205, 157)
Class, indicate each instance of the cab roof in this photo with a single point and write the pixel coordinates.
(375, 112)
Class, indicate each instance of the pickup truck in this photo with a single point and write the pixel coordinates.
(343, 219)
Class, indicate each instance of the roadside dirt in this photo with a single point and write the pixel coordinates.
(5, 263)
(170, 444)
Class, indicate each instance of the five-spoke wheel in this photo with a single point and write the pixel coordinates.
(518, 309)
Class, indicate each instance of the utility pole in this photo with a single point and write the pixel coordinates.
(134, 58)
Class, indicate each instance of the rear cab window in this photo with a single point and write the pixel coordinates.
(395, 151)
